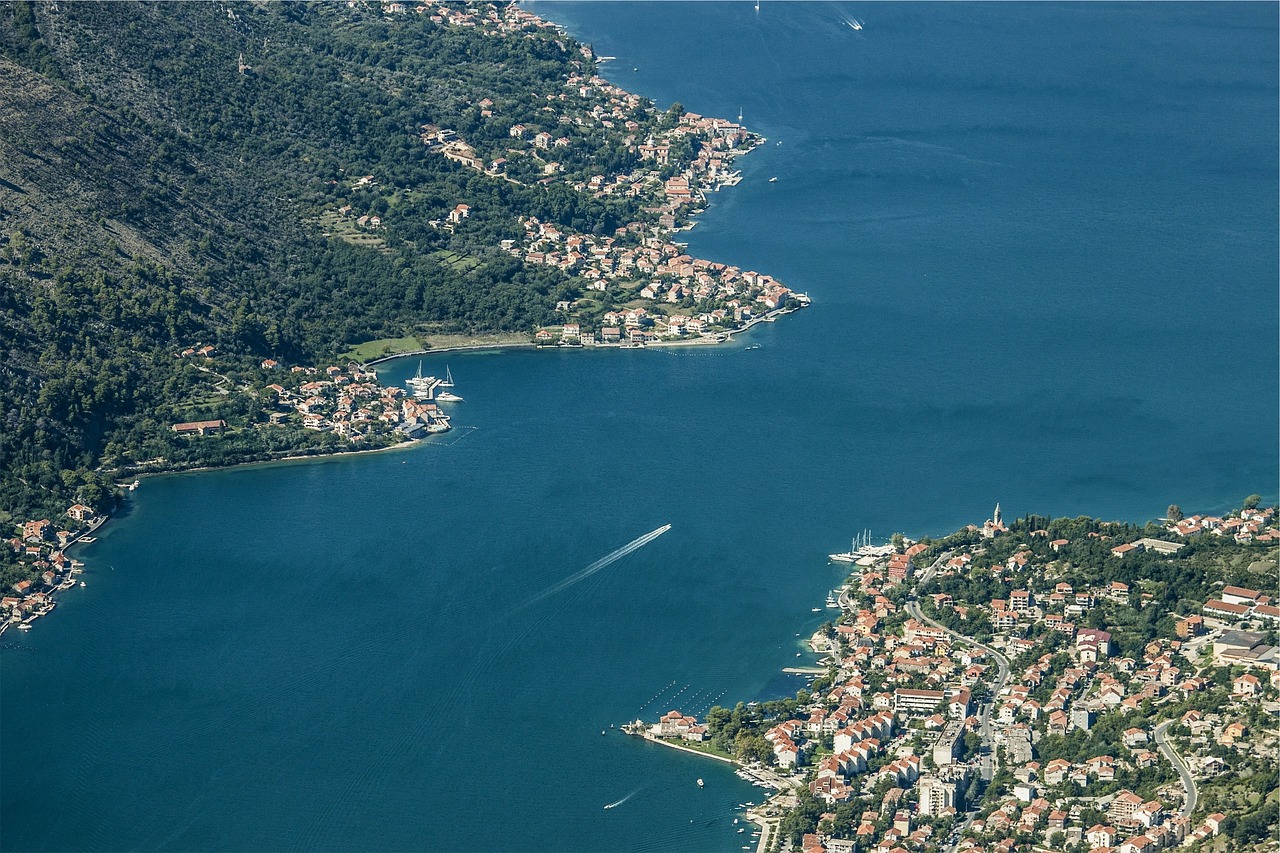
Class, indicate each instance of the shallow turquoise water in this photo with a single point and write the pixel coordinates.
(1041, 243)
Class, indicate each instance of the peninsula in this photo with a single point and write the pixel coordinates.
(1047, 684)
(311, 185)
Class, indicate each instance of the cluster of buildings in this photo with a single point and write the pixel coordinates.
(353, 404)
(1251, 524)
(1068, 677)
(681, 160)
(41, 547)
(673, 294)
(1240, 603)
(901, 715)
(347, 402)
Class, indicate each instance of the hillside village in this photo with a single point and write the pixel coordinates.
(295, 411)
(1059, 710)
(636, 285)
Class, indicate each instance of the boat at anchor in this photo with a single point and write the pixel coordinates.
(423, 386)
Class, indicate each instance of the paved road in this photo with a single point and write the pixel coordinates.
(1188, 783)
(990, 761)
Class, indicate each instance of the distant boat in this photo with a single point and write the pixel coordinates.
(701, 783)
(817, 610)
(774, 180)
(856, 24)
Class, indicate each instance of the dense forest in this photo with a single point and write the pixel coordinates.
(164, 173)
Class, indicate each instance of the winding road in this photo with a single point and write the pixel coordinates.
(1188, 784)
(990, 760)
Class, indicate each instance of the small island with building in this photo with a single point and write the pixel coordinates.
(1047, 684)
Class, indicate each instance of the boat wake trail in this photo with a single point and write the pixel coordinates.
(502, 643)
(606, 560)
(614, 805)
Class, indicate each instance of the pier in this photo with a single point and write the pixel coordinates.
(638, 729)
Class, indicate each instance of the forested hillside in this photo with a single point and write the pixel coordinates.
(168, 178)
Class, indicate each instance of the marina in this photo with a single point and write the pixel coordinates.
(423, 387)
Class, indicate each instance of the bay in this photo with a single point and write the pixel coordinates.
(1041, 244)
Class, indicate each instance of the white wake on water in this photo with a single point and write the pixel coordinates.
(606, 560)
(617, 803)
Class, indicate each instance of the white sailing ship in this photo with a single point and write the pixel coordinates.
(423, 386)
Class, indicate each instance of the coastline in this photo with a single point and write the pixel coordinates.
(767, 815)
(84, 537)
(673, 343)
(301, 457)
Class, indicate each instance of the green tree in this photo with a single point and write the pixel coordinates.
(748, 748)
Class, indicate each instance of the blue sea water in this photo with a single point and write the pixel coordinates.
(1042, 245)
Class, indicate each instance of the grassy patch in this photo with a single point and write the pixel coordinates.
(705, 746)
(456, 260)
(385, 346)
(345, 229)
(490, 339)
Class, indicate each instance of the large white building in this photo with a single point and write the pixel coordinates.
(936, 795)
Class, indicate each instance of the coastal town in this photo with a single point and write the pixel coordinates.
(1028, 686)
(41, 544)
(309, 411)
(635, 288)
(637, 285)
